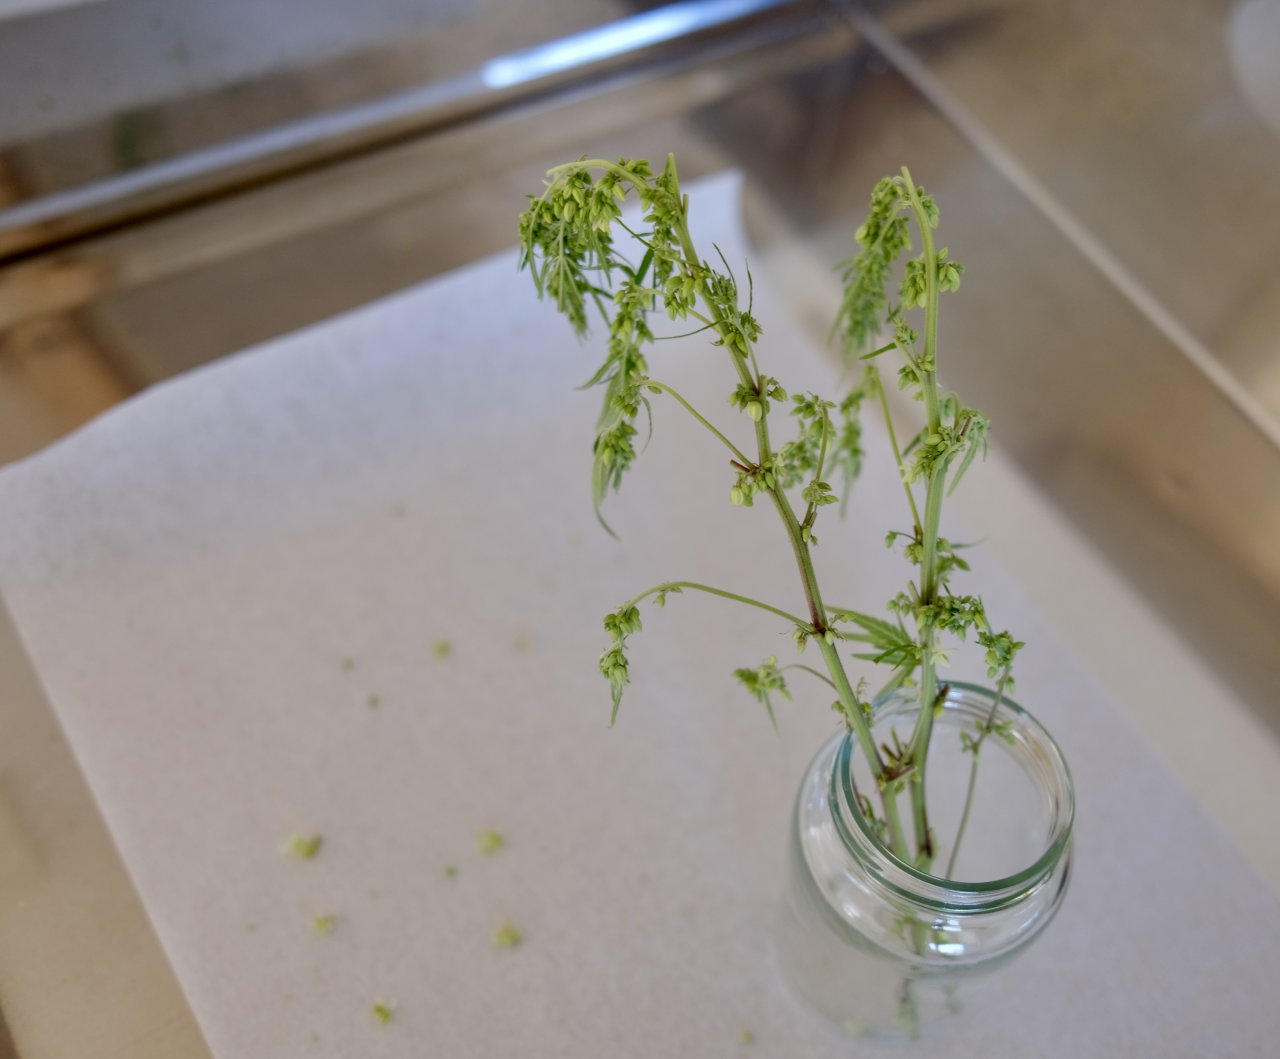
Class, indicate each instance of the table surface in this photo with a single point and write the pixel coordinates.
(1130, 502)
(236, 562)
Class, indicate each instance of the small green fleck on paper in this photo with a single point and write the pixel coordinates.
(304, 847)
(442, 648)
(382, 1011)
(524, 643)
(507, 937)
(347, 664)
(323, 924)
(373, 701)
(746, 1037)
(450, 872)
(491, 842)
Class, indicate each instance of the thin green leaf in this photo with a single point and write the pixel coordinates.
(599, 485)
(878, 632)
(614, 688)
(643, 267)
(598, 377)
(971, 450)
(648, 411)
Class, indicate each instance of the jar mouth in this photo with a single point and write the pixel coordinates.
(1040, 754)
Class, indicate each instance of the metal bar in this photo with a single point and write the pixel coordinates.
(503, 82)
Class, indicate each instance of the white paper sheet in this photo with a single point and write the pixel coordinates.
(214, 579)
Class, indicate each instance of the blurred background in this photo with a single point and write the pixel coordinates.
(180, 180)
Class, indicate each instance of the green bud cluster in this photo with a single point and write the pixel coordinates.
(758, 479)
(565, 236)
(798, 458)
(914, 289)
(949, 272)
(959, 614)
(660, 599)
(613, 665)
(965, 435)
(680, 292)
(666, 213)
(622, 623)
(846, 452)
(933, 452)
(614, 449)
(818, 493)
(755, 400)
(883, 238)
(1001, 649)
(738, 328)
(764, 681)
(613, 660)
(948, 560)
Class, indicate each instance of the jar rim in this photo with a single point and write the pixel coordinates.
(936, 890)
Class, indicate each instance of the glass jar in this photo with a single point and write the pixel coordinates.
(878, 946)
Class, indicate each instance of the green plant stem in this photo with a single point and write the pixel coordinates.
(920, 737)
(812, 672)
(653, 384)
(930, 383)
(668, 586)
(897, 451)
(973, 773)
(862, 731)
(745, 375)
(876, 352)
(813, 596)
(804, 561)
(811, 512)
(749, 375)
(934, 489)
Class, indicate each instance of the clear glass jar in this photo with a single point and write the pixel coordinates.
(877, 946)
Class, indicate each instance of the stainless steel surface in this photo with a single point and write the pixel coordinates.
(1072, 228)
(1143, 121)
(690, 28)
(1105, 175)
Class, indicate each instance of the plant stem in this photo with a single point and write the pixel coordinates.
(973, 772)
(930, 384)
(654, 384)
(813, 597)
(812, 672)
(811, 512)
(667, 586)
(876, 352)
(804, 559)
(919, 748)
(897, 451)
(918, 752)
(862, 731)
